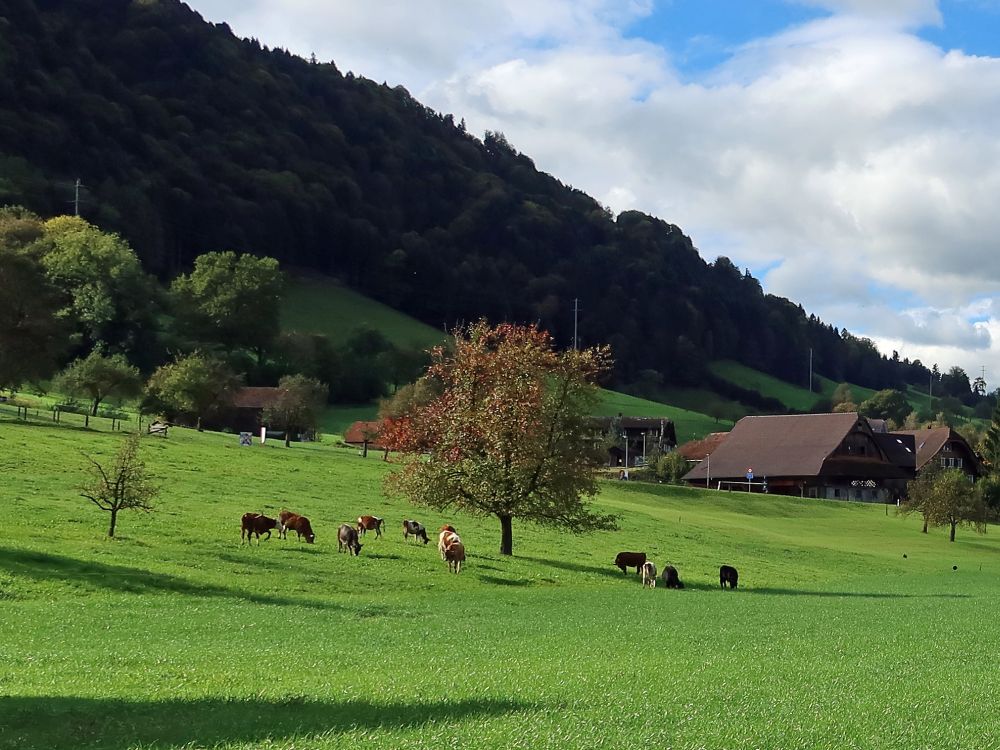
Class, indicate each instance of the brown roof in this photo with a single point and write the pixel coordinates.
(790, 445)
(255, 397)
(359, 431)
(696, 450)
(931, 441)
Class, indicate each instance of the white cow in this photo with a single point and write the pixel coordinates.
(649, 574)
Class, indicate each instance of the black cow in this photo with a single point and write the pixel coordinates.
(728, 574)
(256, 523)
(626, 560)
(671, 579)
(347, 539)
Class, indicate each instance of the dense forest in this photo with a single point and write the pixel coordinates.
(187, 140)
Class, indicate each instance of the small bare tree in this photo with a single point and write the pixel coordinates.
(122, 486)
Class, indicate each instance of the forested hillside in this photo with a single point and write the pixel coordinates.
(188, 139)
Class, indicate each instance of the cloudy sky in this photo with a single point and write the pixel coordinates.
(846, 151)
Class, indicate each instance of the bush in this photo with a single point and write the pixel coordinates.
(670, 467)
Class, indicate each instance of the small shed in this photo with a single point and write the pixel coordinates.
(248, 405)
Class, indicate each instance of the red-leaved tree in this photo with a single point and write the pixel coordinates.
(508, 435)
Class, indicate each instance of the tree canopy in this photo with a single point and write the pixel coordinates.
(509, 434)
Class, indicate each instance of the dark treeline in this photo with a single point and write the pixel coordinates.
(188, 139)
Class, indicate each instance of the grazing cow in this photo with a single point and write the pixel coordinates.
(649, 574)
(347, 539)
(626, 560)
(670, 578)
(256, 523)
(446, 538)
(299, 524)
(414, 528)
(283, 518)
(370, 523)
(728, 574)
(455, 555)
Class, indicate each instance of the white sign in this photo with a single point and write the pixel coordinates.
(263, 435)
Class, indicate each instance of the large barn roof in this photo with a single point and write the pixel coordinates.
(786, 445)
(929, 443)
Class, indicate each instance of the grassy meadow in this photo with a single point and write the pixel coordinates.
(174, 635)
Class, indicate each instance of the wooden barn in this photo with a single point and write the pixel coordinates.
(833, 456)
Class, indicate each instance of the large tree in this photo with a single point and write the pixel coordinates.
(298, 406)
(31, 333)
(888, 404)
(509, 435)
(946, 497)
(232, 301)
(196, 386)
(111, 301)
(98, 377)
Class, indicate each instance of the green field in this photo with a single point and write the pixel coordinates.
(321, 305)
(175, 636)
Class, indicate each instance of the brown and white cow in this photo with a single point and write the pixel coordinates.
(649, 574)
(455, 555)
(256, 523)
(299, 524)
(446, 538)
(414, 528)
(347, 539)
(370, 523)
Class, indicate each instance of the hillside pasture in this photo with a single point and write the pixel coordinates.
(316, 304)
(175, 635)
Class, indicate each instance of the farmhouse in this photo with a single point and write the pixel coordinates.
(697, 450)
(947, 447)
(639, 436)
(364, 435)
(834, 456)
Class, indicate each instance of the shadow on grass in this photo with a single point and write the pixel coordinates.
(44, 566)
(610, 571)
(496, 580)
(770, 591)
(377, 556)
(69, 722)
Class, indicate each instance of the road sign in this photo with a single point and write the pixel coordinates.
(749, 474)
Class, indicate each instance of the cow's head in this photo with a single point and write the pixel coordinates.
(357, 549)
(310, 537)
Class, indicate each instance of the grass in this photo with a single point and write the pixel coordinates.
(793, 397)
(176, 636)
(321, 305)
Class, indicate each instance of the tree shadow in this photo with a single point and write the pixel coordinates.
(377, 556)
(774, 591)
(610, 571)
(70, 722)
(506, 581)
(44, 566)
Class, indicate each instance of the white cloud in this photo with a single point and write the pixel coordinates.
(859, 161)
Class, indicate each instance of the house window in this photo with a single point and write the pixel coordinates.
(944, 462)
(958, 463)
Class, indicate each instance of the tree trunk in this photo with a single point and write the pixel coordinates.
(506, 536)
(114, 520)
(364, 452)
(925, 525)
(288, 437)
(199, 424)
(953, 525)
(93, 409)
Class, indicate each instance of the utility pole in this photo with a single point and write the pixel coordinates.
(76, 196)
(576, 311)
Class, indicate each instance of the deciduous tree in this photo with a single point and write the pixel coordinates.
(196, 386)
(947, 498)
(98, 377)
(509, 434)
(298, 405)
(124, 485)
(232, 301)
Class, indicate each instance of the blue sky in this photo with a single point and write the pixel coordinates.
(846, 151)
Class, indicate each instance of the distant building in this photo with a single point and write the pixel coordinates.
(364, 435)
(833, 456)
(640, 436)
(947, 447)
(698, 450)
